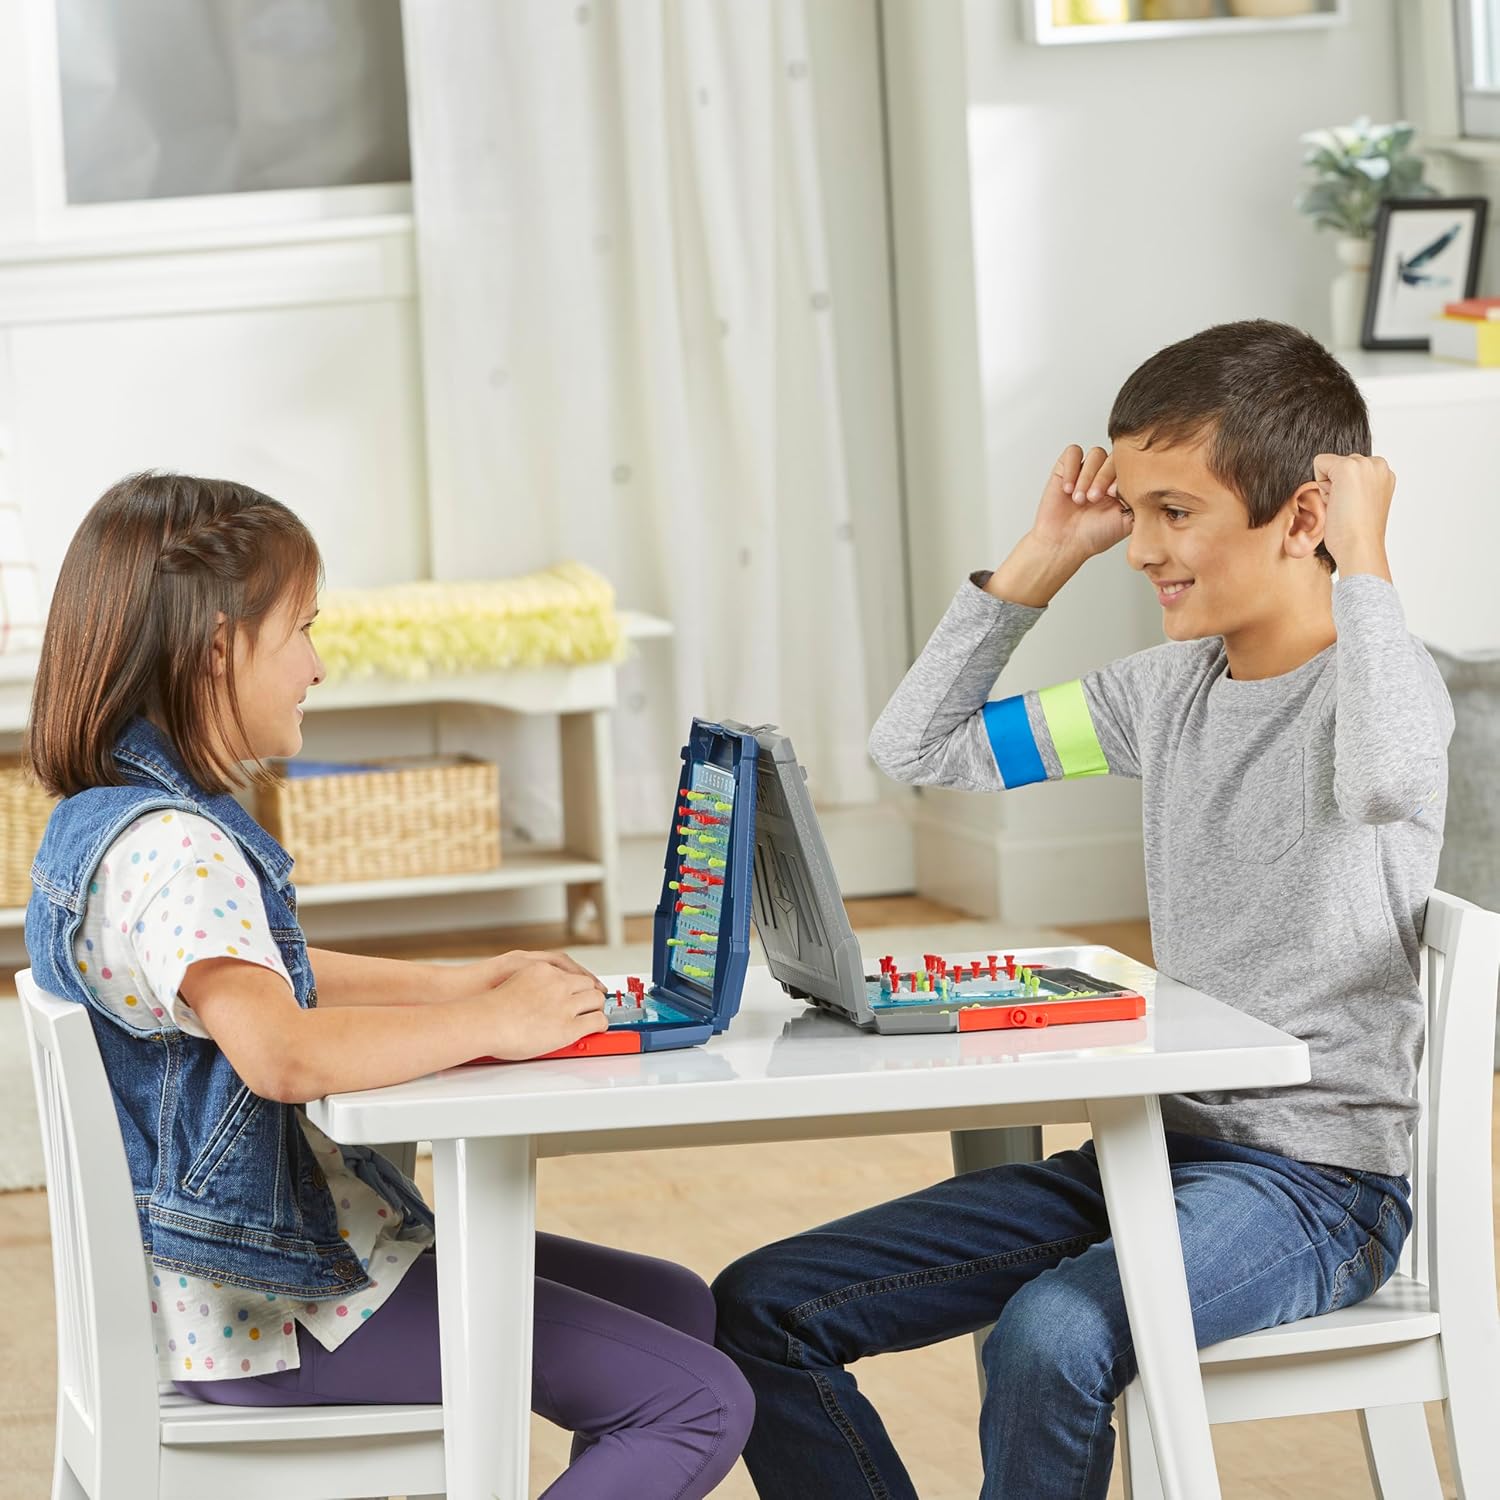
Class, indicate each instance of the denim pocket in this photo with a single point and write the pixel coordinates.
(1342, 1188)
(233, 1123)
(1367, 1270)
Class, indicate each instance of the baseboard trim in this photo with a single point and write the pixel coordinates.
(990, 872)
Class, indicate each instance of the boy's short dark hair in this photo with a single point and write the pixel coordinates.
(1272, 396)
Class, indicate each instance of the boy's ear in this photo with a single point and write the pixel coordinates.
(1306, 520)
(218, 650)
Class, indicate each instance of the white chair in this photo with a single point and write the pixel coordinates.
(121, 1436)
(1432, 1332)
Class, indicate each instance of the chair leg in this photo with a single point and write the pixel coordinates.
(1473, 1441)
(65, 1483)
(1398, 1450)
(1137, 1458)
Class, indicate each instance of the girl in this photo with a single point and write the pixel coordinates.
(284, 1270)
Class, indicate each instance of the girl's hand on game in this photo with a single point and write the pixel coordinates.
(1080, 514)
(1357, 492)
(489, 972)
(540, 1008)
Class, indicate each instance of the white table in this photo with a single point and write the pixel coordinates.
(783, 1073)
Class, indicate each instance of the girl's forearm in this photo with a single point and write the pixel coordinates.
(345, 1047)
(353, 979)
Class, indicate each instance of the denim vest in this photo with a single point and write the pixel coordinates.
(226, 1185)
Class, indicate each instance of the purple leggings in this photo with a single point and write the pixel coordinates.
(623, 1358)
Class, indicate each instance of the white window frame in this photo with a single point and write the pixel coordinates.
(149, 218)
(1429, 58)
(1478, 108)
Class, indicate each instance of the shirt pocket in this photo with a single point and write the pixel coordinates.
(1268, 817)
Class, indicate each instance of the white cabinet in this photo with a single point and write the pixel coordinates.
(1436, 424)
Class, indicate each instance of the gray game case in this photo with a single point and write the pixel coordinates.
(799, 910)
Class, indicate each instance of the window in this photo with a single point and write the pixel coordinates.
(183, 98)
(1478, 38)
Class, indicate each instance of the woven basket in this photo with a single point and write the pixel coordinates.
(428, 816)
(24, 810)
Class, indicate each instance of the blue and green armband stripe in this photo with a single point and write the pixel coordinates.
(1069, 723)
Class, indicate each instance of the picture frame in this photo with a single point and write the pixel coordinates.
(1426, 253)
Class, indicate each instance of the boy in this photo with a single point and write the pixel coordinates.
(1291, 744)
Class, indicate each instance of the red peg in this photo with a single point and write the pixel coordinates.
(1010, 964)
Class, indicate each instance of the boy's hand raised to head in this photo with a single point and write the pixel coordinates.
(1357, 493)
(1079, 517)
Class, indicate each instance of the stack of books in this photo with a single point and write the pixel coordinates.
(1469, 330)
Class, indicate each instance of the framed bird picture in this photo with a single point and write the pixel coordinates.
(1426, 253)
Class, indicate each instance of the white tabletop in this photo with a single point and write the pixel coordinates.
(783, 1061)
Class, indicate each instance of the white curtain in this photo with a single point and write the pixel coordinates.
(21, 614)
(629, 353)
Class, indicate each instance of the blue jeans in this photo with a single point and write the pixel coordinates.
(1265, 1240)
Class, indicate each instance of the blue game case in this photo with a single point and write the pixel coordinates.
(716, 757)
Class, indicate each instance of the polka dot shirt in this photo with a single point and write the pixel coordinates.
(171, 890)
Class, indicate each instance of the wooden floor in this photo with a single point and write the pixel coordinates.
(704, 1208)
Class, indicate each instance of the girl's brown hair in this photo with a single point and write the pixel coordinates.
(161, 564)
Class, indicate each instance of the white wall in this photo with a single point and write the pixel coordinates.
(1118, 197)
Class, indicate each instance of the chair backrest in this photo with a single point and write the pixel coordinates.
(1452, 1247)
(108, 1417)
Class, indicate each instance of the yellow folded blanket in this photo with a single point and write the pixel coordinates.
(560, 616)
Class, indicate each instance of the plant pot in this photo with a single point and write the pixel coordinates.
(1350, 288)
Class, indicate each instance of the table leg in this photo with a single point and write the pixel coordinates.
(997, 1147)
(485, 1204)
(1137, 1183)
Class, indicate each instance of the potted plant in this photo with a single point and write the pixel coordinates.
(1353, 167)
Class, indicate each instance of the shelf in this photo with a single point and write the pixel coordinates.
(518, 872)
(1042, 30)
(527, 690)
(1412, 377)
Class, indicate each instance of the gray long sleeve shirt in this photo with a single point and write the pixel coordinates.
(1292, 830)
